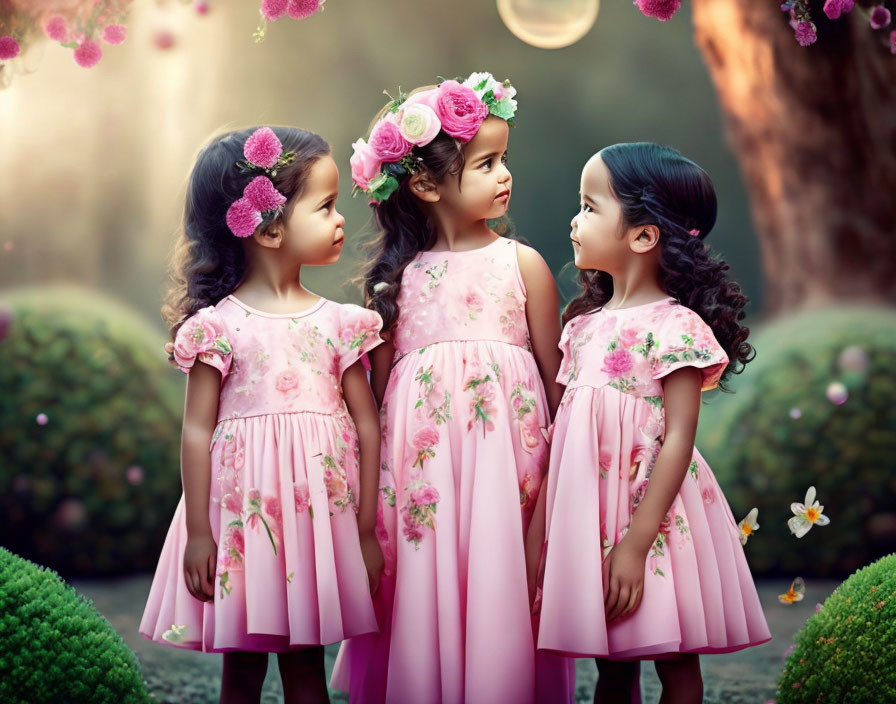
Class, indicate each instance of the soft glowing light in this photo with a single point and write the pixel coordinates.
(549, 24)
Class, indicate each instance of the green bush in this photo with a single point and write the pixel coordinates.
(779, 434)
(844, 654)
(91, 491)
(55, 646)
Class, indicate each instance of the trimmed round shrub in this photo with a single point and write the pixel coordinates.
(55, 646)
(817, 407)
(90, 418)
(844, 654)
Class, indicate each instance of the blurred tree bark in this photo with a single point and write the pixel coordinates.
(814, 130)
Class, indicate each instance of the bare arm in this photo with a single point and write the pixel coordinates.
(625, 575)
(362, 408)
(543, 319)
(380, 366)
(200, 418)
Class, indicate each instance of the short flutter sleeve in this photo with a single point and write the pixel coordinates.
(685, 340)
(566, 362)
(203, 337)
(359, 332)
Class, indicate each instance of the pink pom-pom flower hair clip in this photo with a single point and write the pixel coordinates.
(261, 201)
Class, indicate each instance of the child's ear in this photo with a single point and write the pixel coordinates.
(422, 186)
(270, 237)
(644, 238)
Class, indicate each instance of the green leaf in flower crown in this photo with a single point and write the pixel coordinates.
(502, 108)
(383, 186)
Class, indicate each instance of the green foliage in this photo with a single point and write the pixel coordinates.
(763, 456)
(55, 646)
(92, 491)
(844, 654)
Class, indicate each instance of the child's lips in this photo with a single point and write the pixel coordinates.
(503, 195)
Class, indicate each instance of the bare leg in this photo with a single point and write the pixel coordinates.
(303, 675)
(243, 677)
(681, 679)
(618, 682)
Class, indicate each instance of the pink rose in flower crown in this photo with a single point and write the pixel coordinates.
(460, 110)
(418, 123)
(365, 164)
(387, 141)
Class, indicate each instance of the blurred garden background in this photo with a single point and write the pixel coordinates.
(799, 141)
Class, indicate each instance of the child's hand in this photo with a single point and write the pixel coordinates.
(373, 559)
(624, 580)
(200, 557)
(534, 547)
(169, 350)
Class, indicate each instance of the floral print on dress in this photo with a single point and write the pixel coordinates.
(202, 337)
(419, 510)
(482, 401)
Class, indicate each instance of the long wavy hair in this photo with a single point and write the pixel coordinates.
(209, 261)
(656, 185)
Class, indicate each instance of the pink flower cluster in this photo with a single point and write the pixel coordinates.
(262, 149)
(9, 48)
(73, 30)
(425, 437)
(618, 363)
(195, 337)
(452, 107)
(663, 10)
(273, 10)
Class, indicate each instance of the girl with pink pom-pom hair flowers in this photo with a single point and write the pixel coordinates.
(272, 547)
(643, 558)
(466, 392)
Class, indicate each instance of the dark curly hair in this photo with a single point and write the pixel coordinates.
(209, 260)
(656, 185)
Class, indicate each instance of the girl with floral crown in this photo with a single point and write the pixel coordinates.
(466, 391)
(272, 547)
(643, 557)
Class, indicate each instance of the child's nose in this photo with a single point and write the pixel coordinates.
(340, 219)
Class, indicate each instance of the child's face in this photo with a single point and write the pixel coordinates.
(484, 187)
(314, 230)
(598, 239)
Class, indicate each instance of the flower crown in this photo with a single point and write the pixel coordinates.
(261, 201)
(456, 108)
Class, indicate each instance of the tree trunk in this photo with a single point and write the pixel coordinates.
(814, 130)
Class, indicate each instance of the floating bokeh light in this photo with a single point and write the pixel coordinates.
(549, 24)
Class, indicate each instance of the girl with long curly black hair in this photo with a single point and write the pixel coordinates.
(642, 558)
(272, 547)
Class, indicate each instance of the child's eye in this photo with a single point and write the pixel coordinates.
(328, 204)
(504, 158)
(487, 164)
(586, 208)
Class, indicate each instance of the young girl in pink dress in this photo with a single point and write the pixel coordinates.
(280, 443)
(643, 556)
(471, 350)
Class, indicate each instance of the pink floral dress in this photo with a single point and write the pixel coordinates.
(699, 595)
(284, 485)
(463, 455)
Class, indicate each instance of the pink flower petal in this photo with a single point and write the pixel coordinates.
(9, 48)
(56, 29)
(243, 218)
(88, 54)
(663, 10)
(115, 34)
(300, 9)
(262, 194)
(273, 10)
(263, 148)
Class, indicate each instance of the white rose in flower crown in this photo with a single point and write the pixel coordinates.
(418, 124)
(490, 83)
